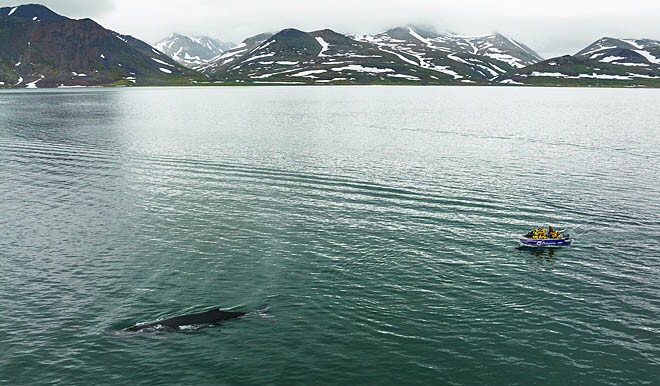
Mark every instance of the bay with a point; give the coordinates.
(370, 232)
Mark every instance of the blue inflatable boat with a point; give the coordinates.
(565, 240)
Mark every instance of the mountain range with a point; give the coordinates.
(400, 55)
(39, 48)
(414, 55)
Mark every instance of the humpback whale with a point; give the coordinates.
(213, 316)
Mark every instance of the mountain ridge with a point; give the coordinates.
(605, 62)
(39, 48)
(399, 55)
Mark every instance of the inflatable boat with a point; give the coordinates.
(532, 242)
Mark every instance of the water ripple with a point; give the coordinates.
(385, 249)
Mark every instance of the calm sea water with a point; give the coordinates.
(368, 230)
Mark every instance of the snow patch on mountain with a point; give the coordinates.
(599, 49)
(610, 59)
(400, 56)
(404, 76)
(161, 62)
(360, 68)
(33, 84)
(308, 74)
(511, 81)
(548, 74)
(631, 64)
(420, 38)
(260, 56)
(324, 46)
(648, 56)
(593, 75)
(603, 76)
(263, 46)
(513, 62)
(633, 43)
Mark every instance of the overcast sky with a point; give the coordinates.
(551, 28)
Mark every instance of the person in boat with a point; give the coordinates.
(531, 234)
(552, 234)
(536, 233)
(541, 233)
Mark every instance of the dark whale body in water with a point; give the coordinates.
(207, 317)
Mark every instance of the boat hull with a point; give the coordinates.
(544, 242)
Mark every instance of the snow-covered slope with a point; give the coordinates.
(223, 60)
(608, 61)
(472, 58)
(192, 52)
(325, 56)
(404, 54)
(624, 52)
(504, 48)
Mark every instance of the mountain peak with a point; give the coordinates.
(290, 33)
(331, 36)
(425, 31)
(292, 43)
(256, 39)
(192, 51)
(32, 12)
(326, 32)
(52, 50)
(607, 43)
(408, 30)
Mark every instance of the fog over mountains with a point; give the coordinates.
(39, 48)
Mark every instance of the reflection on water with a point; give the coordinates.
(66, 118)
(542, 255)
